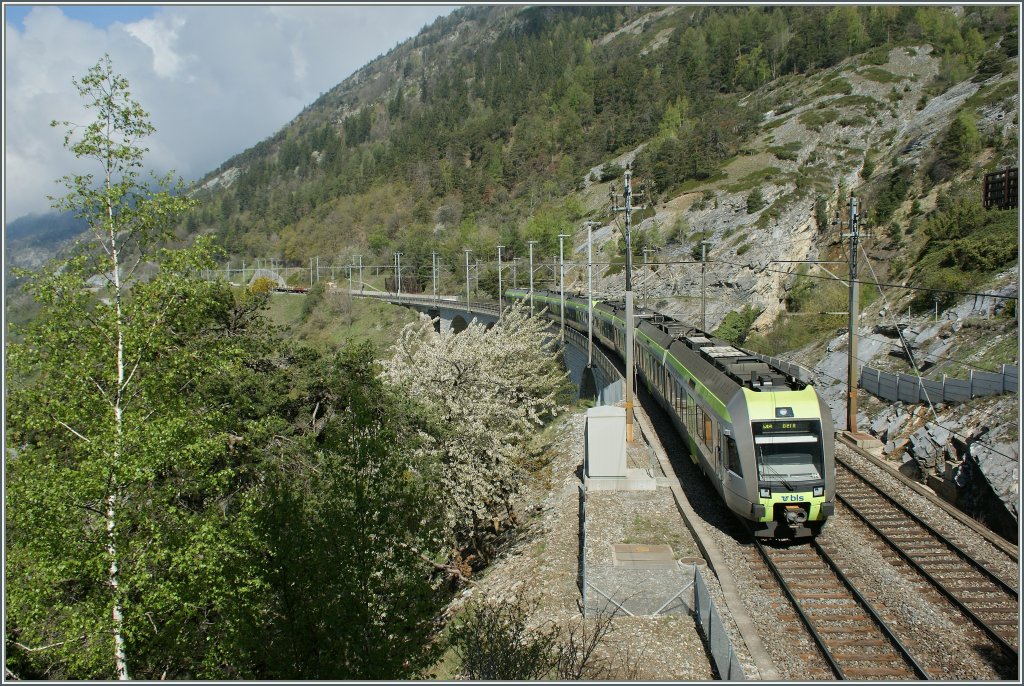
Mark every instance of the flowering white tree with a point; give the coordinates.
(487, 389)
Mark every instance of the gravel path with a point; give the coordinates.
(545, 560)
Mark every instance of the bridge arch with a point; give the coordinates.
(268, 274)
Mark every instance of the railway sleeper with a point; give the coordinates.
(871, 672)
(859, 618)
(847, 642)
(866, 657)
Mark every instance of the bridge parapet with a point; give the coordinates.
(452, 312)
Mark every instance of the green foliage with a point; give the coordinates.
(879, 75)
(892, 192)
(262, 284)
(816, 119)
(877, 57)
(957, 148)
(833, 86)
(351, 524)
(755, 201)
(965, 243)
(736, 325)
(610, 171)
(868, 169)
(865, 101)
(314, 297)
(679, 230)
(493, 641)
(788, 152)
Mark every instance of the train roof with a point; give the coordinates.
(718, 364)
(722, 367)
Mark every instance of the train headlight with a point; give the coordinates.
(766, 493)
(819, 491)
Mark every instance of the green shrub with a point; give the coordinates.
(610, 171)
(755, 201)
(833, 87)
(879, 75)
(736, 325)
(788, 152)
(816, 119)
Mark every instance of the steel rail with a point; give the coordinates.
(902, 649)
(939, 586)
(836, 669)
(966, 557)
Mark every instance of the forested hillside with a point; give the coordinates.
(484, 127)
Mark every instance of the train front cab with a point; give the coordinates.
(784, 448)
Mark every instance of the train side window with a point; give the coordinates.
(708, 434)
(700, 423)
(732, 457)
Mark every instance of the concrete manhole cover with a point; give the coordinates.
(643, 556)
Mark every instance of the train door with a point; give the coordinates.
(714, 445)
(733, 468)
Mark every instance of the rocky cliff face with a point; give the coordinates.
(968, 452)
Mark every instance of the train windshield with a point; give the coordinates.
(788, 452)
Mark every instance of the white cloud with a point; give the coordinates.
(215, 79)
(159, 35)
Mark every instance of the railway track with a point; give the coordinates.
(852, 637)
(980, 594)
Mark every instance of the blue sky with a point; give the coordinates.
(215, 79)
(100, 16)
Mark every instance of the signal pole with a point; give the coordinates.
(433, 274)
(531, 275)
(467, 278)
(398, 273)
(703, 286)
(499, 281)
(627, 208)
(561, 281)
(590, 294)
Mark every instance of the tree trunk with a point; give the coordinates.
(120, 656)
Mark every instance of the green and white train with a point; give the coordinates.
(764, 439)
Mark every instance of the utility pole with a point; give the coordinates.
(627, 208)
(350, 278)
(318, 269)
(310, 272)
(500, 294)
(647, 276)
(467, 279)
(851, 381)
(561, 280)
(590, 294)
(703, 286)
(398, 273)
(531, 275)
(360, 273)
(433, 274)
